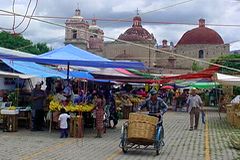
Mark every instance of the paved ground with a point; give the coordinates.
(181, 144)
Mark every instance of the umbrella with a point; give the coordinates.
(167, 87)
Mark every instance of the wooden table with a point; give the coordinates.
(26, 115)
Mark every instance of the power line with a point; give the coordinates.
(28, 6)
(29, 18)
(130, 21)
(14, 17)
(131, 43)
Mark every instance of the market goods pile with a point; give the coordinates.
(233, 115)
(12, 108)
(128, 100)
(235, 140)
(56, 106)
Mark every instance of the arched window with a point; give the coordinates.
(200, 54)
(74, 34)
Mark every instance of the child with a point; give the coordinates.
(63, 123)
(100, 102)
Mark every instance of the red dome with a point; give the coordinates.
(201, 35)
(137, 18)
(136, 34)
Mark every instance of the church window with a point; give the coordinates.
(200, 54)
(74, 34)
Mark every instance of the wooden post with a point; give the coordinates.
(80, 126)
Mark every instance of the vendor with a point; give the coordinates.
(155, 105)
(38, 96)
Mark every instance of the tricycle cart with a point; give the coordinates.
(141, 135)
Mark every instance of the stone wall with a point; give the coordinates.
(209, 52)
(122, 51)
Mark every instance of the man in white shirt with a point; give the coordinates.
(63, 123)
(195, 105)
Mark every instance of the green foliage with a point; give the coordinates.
(196, 67)
(18, 42)
(12, 97)
(236, 90)
(230, 60)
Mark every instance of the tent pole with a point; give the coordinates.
(68, 72)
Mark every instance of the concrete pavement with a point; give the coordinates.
(181, 144)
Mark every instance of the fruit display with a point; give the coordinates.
(55, 105)
(12, 108)
(70, 107)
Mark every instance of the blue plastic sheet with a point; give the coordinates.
(31, 68)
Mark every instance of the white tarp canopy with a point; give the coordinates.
(228, 79)
(236, 99)
(14, 75)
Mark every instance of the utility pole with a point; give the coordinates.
(149, 56)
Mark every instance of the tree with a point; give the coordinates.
(230, 60)
(18, 42)
(196, 67)
(233, 61)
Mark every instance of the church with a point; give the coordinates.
(201, 43)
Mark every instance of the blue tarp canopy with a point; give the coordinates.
(79, 74)
(70, 55)
(31, 68)
(70, 52)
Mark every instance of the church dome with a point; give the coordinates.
(136, 32)
(94, 27)
(201, 35)
(77, 18)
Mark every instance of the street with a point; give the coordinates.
(210, 141)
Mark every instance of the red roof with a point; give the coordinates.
(136, 32)
(201, 35)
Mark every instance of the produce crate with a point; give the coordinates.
(76, 127)
(10, 123)
(236, 121)
(230, 116)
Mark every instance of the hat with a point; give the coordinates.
(153, 92)
(38, 83)
(193, 88)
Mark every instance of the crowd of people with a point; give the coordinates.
(103, 99)
(105, 113)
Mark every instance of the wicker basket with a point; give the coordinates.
(141, 128)
(136, 117)
(141, 132)
(236, 121)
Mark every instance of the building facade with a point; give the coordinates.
(201, 43)
(119, 50)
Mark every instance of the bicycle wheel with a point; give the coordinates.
(124, 139)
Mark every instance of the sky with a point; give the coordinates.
(213, 11)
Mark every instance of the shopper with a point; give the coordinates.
(99, 103)
(63, 117)
(38, 98)
(195, 104)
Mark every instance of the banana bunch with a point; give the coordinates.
(55, 105)
(79, 108)
(50, 97)
(70, 107)
(135, 100)
(235, 141)
(12, 108)
(86, 108)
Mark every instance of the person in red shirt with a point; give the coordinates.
(99, 103)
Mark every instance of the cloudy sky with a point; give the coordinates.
(224, 12)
